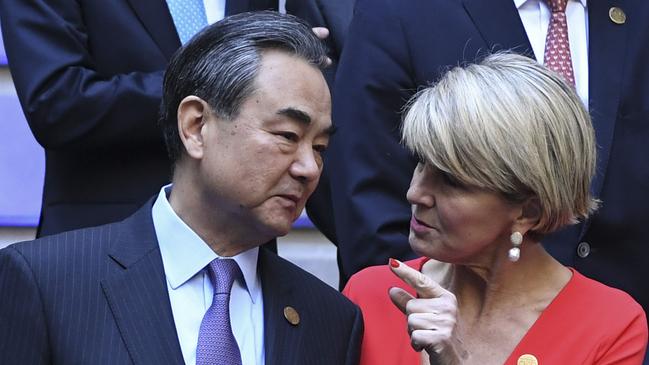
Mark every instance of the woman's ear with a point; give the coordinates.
(530, 215)
(192, 113)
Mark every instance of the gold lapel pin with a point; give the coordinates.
(291, 315)
(617, 15)
(527, 359)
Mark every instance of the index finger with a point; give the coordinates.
(423, 285)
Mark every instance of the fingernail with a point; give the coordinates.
(394, 263)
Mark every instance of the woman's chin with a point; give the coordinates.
(430, 248)
(421, 247)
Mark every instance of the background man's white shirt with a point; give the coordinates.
(535, 15)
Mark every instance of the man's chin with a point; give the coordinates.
(283, 231)
(279, 229)
(276, 223)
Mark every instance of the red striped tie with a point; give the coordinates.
(557, 45)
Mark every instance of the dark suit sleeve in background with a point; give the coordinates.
(372, 170)
(335, 15)
(69, 103)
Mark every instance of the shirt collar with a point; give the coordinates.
(185, 254)
(520, 3)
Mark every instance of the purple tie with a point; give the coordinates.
(216, 342)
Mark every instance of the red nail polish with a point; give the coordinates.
(394, 263)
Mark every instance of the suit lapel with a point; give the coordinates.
(137, 293)
(500, 25)
(606, 60)
(155, 17)
(281, 338)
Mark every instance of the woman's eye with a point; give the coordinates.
(421, 164)
(450, 180)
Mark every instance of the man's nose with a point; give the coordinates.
(307, 166)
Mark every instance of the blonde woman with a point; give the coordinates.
(507, 154)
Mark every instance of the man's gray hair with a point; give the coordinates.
(220, 64)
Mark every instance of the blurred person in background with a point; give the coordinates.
(335, 16)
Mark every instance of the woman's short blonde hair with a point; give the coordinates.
(511, 126)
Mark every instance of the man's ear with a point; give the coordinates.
(530, 215)
(192, 113)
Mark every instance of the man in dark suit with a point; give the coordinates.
(335, 15)
(246, 116)
(89, 78)
(395, 47)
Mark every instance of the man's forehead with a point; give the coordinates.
(293, 89)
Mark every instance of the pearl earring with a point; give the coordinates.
(515, 252)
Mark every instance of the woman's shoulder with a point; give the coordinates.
(600, 297)
(599, 305)
(604, 323)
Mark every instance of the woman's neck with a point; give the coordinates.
(486, 290)
(499, 303)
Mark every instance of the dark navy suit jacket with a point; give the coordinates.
(335, 15)
(395, 47)
(99, 296)
(89, 78)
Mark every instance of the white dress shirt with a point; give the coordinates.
(185, 257)
(214, 10)
(535, 15)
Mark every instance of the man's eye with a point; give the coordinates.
(320, 148)
(293, 137)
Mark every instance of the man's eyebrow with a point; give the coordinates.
(295, 114)
(303, 117)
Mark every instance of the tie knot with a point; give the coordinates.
(557, 6)
(222, 274)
